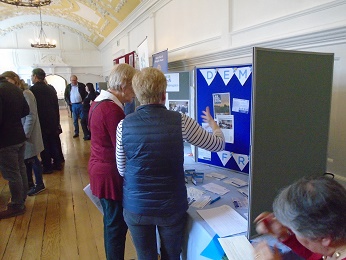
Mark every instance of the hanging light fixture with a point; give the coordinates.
(27, 3)
(42, 41)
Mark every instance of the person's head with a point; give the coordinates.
(150, 86)
(90, 87)
(74, 80)
(38, 74)
(315, 210)
(13, 78)
(120, 82)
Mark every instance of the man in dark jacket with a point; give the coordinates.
(75, 93)
(12, 146)
(48, 113)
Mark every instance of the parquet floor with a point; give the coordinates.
(61, 222)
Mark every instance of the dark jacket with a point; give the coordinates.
(82, 92)
(13, 107)
(86, 102)
(154, 183)
(47, 107)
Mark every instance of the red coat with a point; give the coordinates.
(105, 181)
(300, 250)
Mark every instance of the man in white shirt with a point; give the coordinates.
(75, 93)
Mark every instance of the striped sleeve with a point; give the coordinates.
(196, 135)
(120, 153)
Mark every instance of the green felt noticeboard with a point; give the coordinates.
(290, 122)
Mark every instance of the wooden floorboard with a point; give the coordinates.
(60, 222)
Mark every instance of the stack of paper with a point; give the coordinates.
(237, 248)
(224, 220)
(215, 188)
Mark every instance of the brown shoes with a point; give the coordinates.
(12, 211)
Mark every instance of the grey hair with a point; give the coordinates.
(120, 75)
(149, 84)
(313, 208)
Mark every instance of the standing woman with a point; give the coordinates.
(105, 181)
(32, 129)
(92, 94)
(150, 156)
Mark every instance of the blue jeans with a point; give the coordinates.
(13, 170)
(77, 112)
(143, 232)
(115, 229)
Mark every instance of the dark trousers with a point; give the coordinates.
(84, 124)
(51, 151)
(34, 163)
(12, 168)
(115, 229)
(143, 232)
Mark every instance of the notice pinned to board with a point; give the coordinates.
(240, 105)
(172, 82)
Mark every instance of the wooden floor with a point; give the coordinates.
(61, 222)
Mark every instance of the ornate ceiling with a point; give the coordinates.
(92, 19)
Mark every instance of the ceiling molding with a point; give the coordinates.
(93, 19)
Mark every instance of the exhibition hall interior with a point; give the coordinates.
(273, 74)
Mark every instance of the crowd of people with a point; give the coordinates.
(136, 165)
(30, 129)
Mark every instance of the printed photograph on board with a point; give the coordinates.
(226, 123)
(181, 106)
(221, 103)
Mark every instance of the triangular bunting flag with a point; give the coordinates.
(224, 156)
(241, 159)
(243, 74)
(226, 74)
(209, 75)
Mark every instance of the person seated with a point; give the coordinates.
(309, 217)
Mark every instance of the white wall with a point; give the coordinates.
(223, 32)
(73, 55)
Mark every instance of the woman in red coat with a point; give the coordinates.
(309, 217)
(105, 181)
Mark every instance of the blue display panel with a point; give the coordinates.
(227, 92)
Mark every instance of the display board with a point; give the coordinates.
(178, 92)
(290, 122)
(227, 92)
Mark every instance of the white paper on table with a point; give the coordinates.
(216, 175)
(201, 202)
(194, 193)
(237, 248)
(93, 198)
(215, 188)
(244, 192)
(236, 182)
(224, 220)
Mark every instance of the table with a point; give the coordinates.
(198, 233)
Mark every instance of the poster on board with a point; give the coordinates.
(182, 106)
(227, 92)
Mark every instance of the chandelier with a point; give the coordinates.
(27, 3)
(42, 41)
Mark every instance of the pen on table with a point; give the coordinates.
(242, 192)
(236, 184)
(214, 200)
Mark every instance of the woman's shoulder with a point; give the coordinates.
(28, 94)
